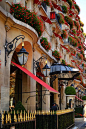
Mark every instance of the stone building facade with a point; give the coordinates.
(17, 84)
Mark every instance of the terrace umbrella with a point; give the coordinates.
(64, 72)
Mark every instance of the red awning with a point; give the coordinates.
(65, 48)
(46, 19)
(79, 98)
(35, 78)
(57, 7)
(57, 35)
(37, 2)
(66, 23)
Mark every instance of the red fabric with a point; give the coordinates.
(35, 78)
(73, 61)
(65, 48)
(73, 54)
(57, 7)
(79, 98)
(64, 0)
(46, 19)
(57, 35)
(66, 23)
(37, 2)
(70, 11)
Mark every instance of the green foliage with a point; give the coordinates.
(78, 112)
(84, 98)
(77, 7)
(74, 31)
(64, 9)
(70, 90)
(19, 107)
(69, 21)
(77, 24)
(28, 17)
(45, 43)
(56, 54)
(60, 18)
(65, 120)
(73, 41)
(63, 62)
(70, 3)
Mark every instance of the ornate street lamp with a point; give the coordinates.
(46, 70)
(22, 55)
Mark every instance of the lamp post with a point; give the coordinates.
(46, 70)
(22, 54)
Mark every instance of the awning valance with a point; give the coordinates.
(37, 2)
(57, 7)
(46, 19)
(79, 98)
(35, 78)
(57, 35)
(65, 48)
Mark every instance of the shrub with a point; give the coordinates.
(77, 7)
(60, 18)
(24, 15)
(70, 3)
(45, 43)
(84, 98)
(56, 54)
(74, 31)
(47, 2)
(64, 34)
(69, 21)
(63, 62)
(19, 107)
(70, 90)
(64, 9)
(77, 24)
(73, 41)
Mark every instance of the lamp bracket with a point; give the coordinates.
(9, 47)
(36, 62)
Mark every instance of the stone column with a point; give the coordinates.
(55, 86)
(46, 97)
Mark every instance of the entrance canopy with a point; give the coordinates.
(35, 78)
(64, 72)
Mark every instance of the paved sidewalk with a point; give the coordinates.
(79, 124)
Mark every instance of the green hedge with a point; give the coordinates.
(78, 112)
(84, 98)
(70, 91)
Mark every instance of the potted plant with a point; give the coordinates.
(64, 9)
(69, 21)
(56, 54)
(45, 44)
(77, 7)
(73, 41)
(28, 17)
(64, 34)
(47, 2)
(77, 24)
(70, 95)
(63, 62)
(70, 3)
(84, 99)
(60, 18)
